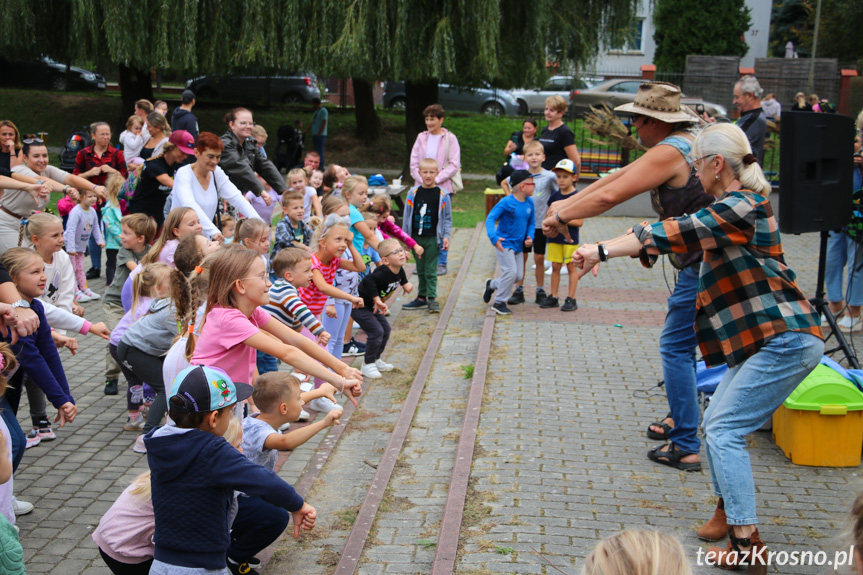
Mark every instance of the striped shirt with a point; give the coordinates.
(314, 298)
(287, 307)
(746, 292)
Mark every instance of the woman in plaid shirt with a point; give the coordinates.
(751, 315)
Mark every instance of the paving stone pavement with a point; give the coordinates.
(559, 461)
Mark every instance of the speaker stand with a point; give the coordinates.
(821, 306)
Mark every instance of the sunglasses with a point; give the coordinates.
(34, 141)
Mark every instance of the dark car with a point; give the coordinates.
(622, 91)
(485, 99)
(294, 88)
(45, 73)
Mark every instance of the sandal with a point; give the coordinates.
(672, 457)
(665, 429)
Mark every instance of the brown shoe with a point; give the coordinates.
(717, 527)
(748, 552)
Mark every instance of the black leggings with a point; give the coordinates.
(377, 329)
(118, 568)
(131, 379)
(148, 368)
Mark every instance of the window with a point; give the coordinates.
(627, 87)
(633, 44)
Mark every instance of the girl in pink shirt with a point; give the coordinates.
(235, 326)
(180, 223)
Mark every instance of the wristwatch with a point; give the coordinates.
(21, 303)
(603, 252)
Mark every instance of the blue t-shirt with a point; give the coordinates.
(556, 196)
(357, 217)
(515, 223)
(545, 183)
(321, 115)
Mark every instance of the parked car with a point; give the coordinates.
(622, 91)
(533, 101)
(485, 99)
(294, 88)
(46, 74)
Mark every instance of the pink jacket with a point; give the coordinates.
(389, 229)
(448, 166)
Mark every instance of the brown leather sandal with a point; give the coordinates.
(750, 552)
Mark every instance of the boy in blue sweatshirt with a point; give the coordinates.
(195, 473)
(514, 216)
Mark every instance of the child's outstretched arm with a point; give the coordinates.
(296, 438)
(331, 290)
(6, 461)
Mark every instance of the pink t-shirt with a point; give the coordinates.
(314, 298)
(221, 342)
(166, 256)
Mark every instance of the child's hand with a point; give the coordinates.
(304, 519)
(381, 307)
(330, 310)
(499, 244)
(101, 330)
(66, 413)
(102, 245)
(418, 250)
(267, 199)
(350, 237)
(324, 338)
(327, 390)
(354, 391)
(71, 344)
(357, 302)
(445, 244)
(391, 218)
(408, 287)
(332, 418)
(528, 242)
(77, 309)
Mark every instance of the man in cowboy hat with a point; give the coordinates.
(666, 172)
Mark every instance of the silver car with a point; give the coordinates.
(622, 91)
(533, 101)
(486, 99)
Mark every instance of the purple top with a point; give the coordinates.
(128, 319)
(265, 211)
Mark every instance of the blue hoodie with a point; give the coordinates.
(194, 476)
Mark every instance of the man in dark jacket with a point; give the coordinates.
(183, 118)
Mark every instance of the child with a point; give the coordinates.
(264, 210)
(254, 234)
(375, 289)
(37, 353)
(297, 181)
(294, 269)
(291, 231)
(136, 232)
(111, 217)
(11, 553)
(543, 187)
(370, 255)
(278, 397)
(381, 207)
(515, 219)
(637, 552)
(83, 222)
(333, 179)
(180, 223)
(151, 284)
(428, 220)
(229, 224)
(194, 474)
(560, 251)
(124, 535)
(45, 232)
(132, 139)
(312, 200)
(235, 326)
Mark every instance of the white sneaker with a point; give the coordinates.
(370, 371)
(323, 405)
(307, 386)
(563, 271)
(136, 424)
(854, 324)
(21, 507)
(383, 366)
(91, 294)
(304, 416)
(139, 446)
(81, 297)
(284, 426)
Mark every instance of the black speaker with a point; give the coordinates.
(815, 172)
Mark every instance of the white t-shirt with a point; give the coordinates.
(432, 145)
(307, 203)
(255, 433)
(188, 193)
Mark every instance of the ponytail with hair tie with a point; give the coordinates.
(749, 159)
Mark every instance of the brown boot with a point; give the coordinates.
(717, 527)
(748, 552)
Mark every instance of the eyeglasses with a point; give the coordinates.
(29, 141)
(398, 251)
(264, 276)
(698, 160)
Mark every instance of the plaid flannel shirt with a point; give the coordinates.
(88, 159)
(746, 292)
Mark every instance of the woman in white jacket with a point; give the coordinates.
(201, 185)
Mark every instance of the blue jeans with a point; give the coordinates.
(336, 327)
(748, 394)
(266, 362)
(19, 440)
(318, 142)
(677, 349)
(842, 251)
(95, 250)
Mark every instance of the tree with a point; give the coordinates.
(838, 36)
(792, 21)
(716, 28)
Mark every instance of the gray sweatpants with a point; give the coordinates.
(511, 270)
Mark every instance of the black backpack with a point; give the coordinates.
(78, 139)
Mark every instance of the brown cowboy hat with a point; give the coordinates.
(659, 100)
